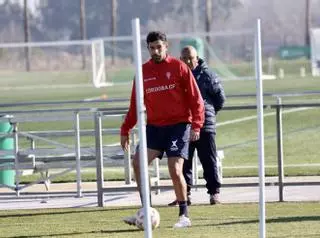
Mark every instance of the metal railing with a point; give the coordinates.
(97, 114)
(281, 183)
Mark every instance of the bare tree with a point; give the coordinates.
(26, 34)
(308, 23)
(208, 23)
(114, 6)
(195, 15)
(83, 30)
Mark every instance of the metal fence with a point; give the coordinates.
(96, 156)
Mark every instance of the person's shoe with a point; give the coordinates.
(175, 202)
(130, 220)
(183, 222)
(214, 199)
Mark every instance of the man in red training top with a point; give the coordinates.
(175, 114)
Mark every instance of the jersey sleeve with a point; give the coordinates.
(131, 117)
(194, 98)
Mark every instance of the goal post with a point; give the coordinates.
(229, 53)
(315, 51)
(60, 59)
(98, 64)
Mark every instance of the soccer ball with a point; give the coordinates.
(155, 218)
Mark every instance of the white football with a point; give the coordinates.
(155, 218)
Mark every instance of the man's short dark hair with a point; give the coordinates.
(155, 36)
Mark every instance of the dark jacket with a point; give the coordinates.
(212, 93)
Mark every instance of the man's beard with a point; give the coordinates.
(157, 58)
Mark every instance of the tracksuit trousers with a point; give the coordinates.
(207, 153)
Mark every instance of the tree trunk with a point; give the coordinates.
(26, 35)
(83, 30)
(208, 26)
(114, 6)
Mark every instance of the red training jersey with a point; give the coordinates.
(171, 96)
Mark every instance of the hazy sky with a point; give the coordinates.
(31, 3)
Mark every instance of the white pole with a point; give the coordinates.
(142, 127)
(93, 61)
(258, 69)
(195, 171)
(78, 153)
(102, 80)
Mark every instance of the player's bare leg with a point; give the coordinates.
(152, 154)
(175, 165)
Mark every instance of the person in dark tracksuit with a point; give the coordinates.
(214, 97)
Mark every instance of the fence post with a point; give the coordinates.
(16, 156)
(280, 149)
(195, 172)
(127, 160)
(32, 143)
(78, 153)
(127, 155)
(156, 168)
(99, 158)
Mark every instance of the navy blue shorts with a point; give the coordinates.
(173, 139)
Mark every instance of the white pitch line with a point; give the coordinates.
(269, 166)
(255, 116)
(114, 144)
(60, 86)
(249, 118)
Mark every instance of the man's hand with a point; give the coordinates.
(124, 140)
(194, 135)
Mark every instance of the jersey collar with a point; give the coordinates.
(166, 60)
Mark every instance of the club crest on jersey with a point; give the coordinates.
(168, 75)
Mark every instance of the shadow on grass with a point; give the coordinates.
(79, 233)
(274, 220)
(297, 236)
(57, 212)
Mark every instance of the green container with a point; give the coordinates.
(196, 42)
(294, 52)
(7, 177)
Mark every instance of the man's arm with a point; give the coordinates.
(216, 91)
(130, 120)
(194, 98)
